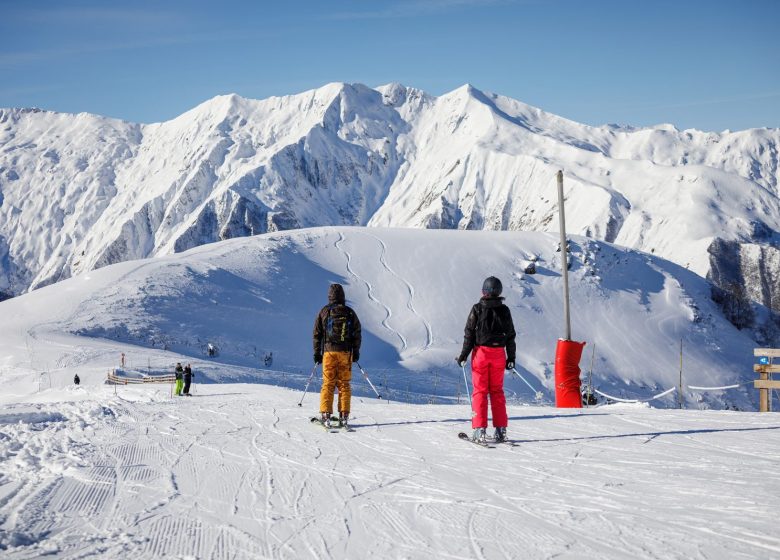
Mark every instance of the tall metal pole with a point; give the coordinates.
(564, 257)
(680, 386)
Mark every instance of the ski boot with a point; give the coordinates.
(325, 419)
(344, 420)
(500, 435)
(479, 435)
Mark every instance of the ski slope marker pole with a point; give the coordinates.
(300, 403)
(369, 381)
(463, 367)
(564, 257)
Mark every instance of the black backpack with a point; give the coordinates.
(338, 329)
(491, 329)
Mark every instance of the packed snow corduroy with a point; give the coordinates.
(567, 374)
(336, 373)
(487, 375)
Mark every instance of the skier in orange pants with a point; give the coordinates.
(336, 337)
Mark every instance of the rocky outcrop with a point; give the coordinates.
(753, 266)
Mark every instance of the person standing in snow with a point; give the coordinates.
(179, 371)
(490, 333)
(76, 379)
(337, 337)
(187, 379)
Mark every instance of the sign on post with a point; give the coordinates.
(765, 369)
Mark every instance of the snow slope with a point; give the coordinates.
(79, 192)
(237, 472)
(412, 290)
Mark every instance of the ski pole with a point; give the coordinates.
(466, 381)
(300, 403)
(538, 393)
(369, 381)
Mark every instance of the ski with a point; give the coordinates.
(334, 427)
(465, 437)
(329, 429)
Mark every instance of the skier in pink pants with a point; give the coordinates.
(490, 333)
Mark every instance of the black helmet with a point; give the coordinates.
(492, 287)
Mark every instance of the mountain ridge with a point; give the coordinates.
(83, 191)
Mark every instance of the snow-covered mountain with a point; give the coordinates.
(412, 290)
(78, 192)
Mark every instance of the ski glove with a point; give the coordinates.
(355, 355)
(317, 358)
(461, 361)
(510, 365)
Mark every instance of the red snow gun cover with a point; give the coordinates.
(567, 374)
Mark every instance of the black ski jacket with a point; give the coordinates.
(500, 333)
(336, 299)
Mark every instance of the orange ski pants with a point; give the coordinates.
(336, 372)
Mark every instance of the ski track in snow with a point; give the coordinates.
(371, 295)
(238, 471)
(410, 291)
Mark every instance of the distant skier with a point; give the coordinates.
(490, 333)
(187, 379)
(76, 379)
(337, 337)
(212, 350)
(179, 371)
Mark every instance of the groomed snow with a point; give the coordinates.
(237, 471)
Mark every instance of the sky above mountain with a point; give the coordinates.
(697, 64)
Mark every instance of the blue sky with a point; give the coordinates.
(710, 65)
